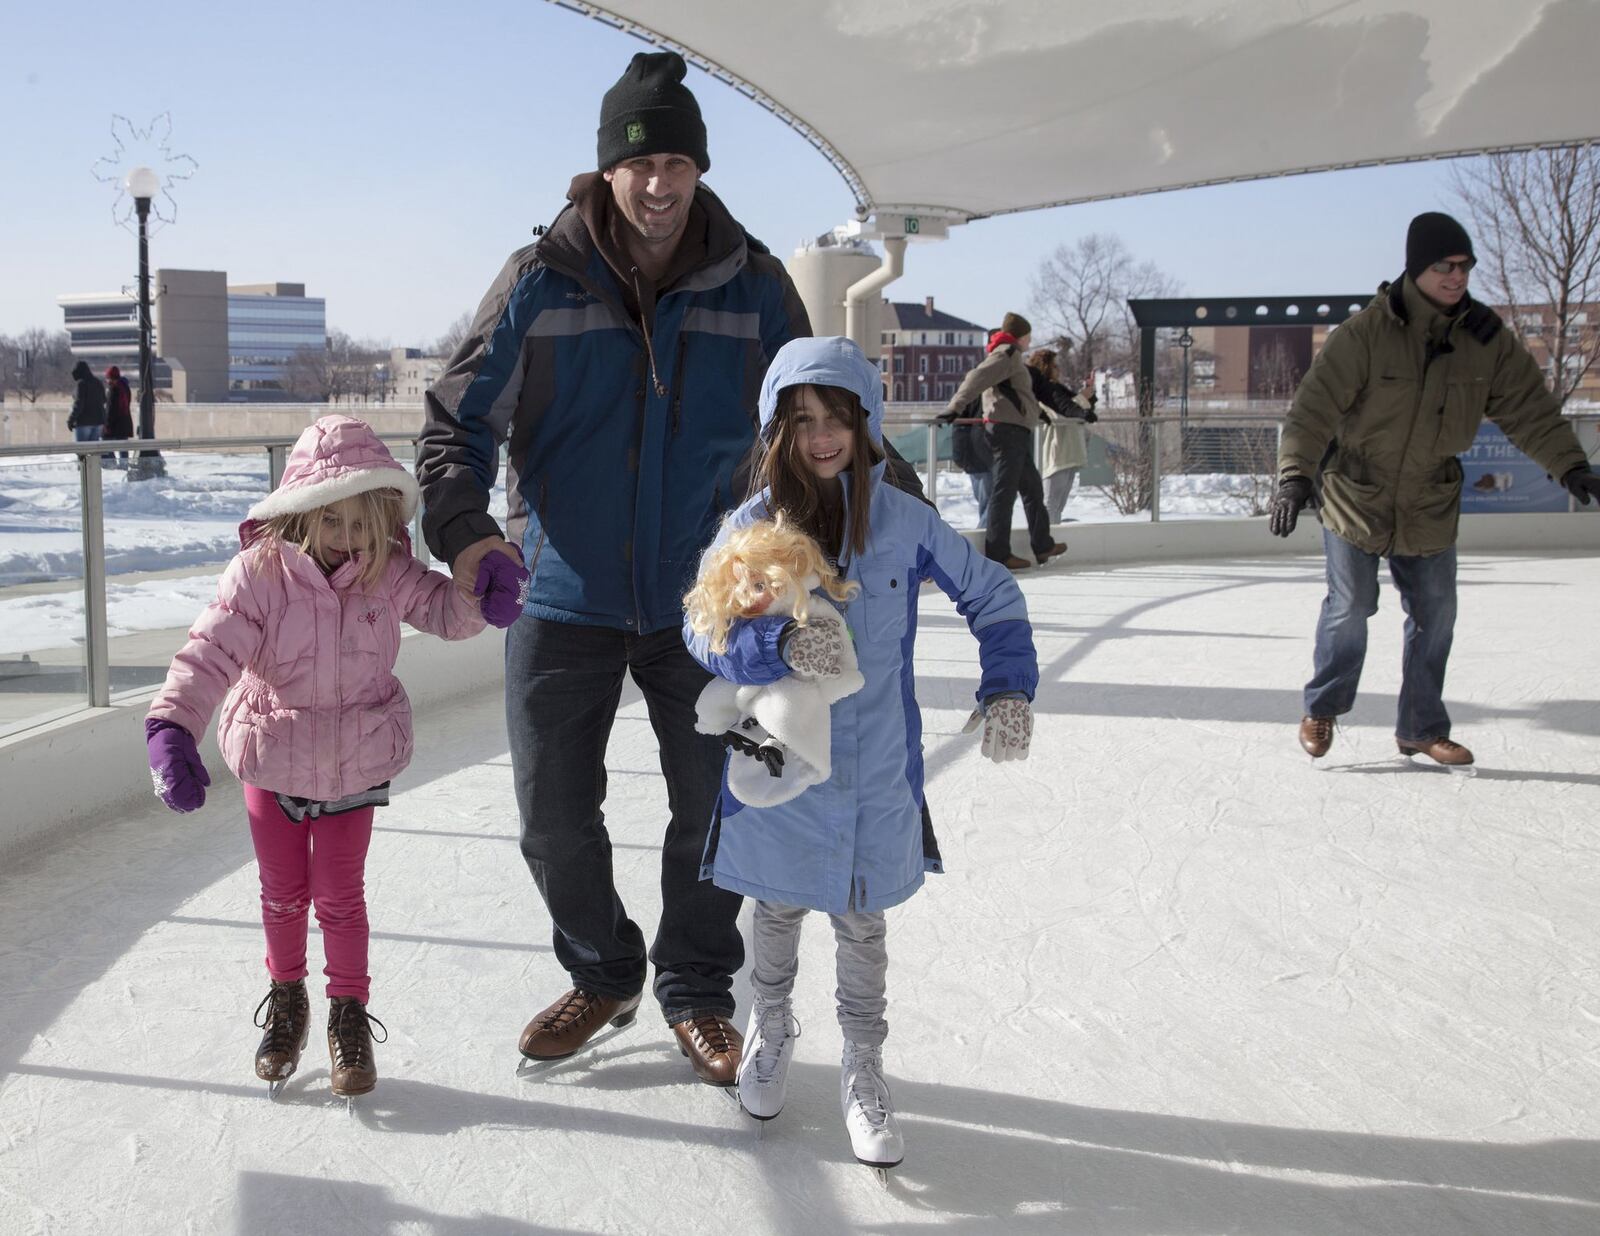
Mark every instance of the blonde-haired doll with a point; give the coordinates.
(770, 567)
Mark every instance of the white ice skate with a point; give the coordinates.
(868, 1110)
(764, 1067)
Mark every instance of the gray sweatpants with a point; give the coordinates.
(862, 964)
(1057, 489)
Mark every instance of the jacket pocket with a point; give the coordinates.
(384, 736)
(1437, 510)
(1462, 413)
(884, 603)
(246, 747)
(1356, 511)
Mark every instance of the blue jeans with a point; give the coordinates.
(563, 684)
(87, 433)
(1427, 588)
(982, 487)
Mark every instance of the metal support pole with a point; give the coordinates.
(933, 463)
(1153, 428)
(1147, 371)
(96, 647)
(277, 461)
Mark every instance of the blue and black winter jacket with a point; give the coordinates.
(621, 454)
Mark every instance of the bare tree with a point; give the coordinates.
(453, 336)
(35, 363)
(1081, 293)
(1536, 217)
(1276, 374)
(308, 375)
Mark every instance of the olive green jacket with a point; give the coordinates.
(1394, 396)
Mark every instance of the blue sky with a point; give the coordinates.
(391, 155)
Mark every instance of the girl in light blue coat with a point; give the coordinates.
(860, 841)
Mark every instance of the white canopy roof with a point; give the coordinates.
(982, 107)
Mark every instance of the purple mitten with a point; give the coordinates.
(175, 768)
(502, 587)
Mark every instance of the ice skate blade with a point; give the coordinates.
(1416, 759)
(275, 1088)
(530, 1066)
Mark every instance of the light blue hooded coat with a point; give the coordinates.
(856, 842)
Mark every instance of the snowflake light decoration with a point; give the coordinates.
(148, 147)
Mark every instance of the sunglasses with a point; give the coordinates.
(1449, 268)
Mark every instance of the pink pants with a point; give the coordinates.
(319, 862)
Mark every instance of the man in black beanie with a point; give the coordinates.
(619, 357)
(1394, 396)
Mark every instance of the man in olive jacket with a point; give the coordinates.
(1395, 395)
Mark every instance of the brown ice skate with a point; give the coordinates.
(562, 1029)
(352, 1065)
(713, 1047)
(284, 1016)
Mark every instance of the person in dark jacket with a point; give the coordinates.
(1394, 396)
(119, 410)
(1010, 415)
(621, 357)
(88, 415)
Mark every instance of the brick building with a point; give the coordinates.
(926, 351)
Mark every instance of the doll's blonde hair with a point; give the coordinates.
(379, 512)
(776, 552)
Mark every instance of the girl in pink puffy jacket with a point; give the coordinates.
(299, 650)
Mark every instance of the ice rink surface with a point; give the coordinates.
(1176, 980)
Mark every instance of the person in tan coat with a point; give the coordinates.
(1395, 395)
(1010, 415)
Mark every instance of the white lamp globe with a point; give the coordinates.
(142, 182)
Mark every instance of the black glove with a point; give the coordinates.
(1582, 483)
(1294, 495)
(946, 418)
(1090, 417)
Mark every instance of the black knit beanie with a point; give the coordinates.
(650, 111)
(1433, 237)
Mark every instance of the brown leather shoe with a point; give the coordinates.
(572, 1021)
(1316, 735)
(1014, 563)
(1055, 551)
(713, 1047)
(1439, 750)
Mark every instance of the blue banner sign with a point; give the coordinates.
(1499, 477)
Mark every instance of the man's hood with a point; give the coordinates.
(718, 245)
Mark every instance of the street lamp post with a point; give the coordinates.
(1185, 341)
(142, 185)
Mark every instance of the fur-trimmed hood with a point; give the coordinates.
(336, 457)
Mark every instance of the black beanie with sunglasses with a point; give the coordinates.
(1431, 238)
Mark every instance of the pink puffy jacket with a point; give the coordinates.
(306, 660)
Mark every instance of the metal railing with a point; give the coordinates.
(91, 498)
(1130, 457)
